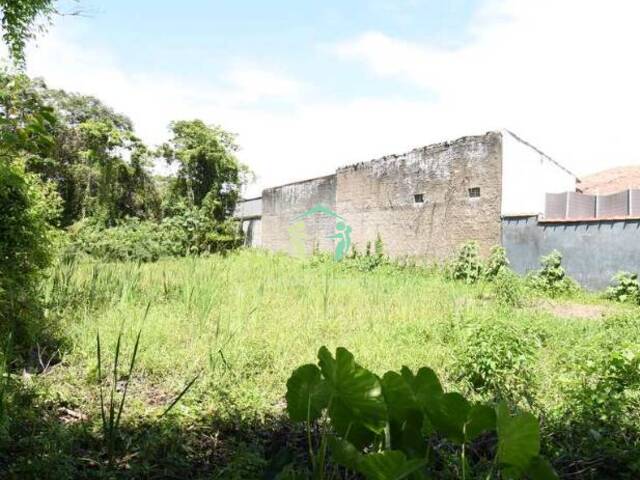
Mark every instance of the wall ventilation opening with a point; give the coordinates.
(418, 198)
(474, 192)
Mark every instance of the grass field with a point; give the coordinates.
(243, 322)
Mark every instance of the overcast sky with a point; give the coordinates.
(310, 86)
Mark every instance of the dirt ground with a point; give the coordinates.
(576, 310)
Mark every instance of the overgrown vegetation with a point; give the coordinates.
(467, 266)
(233, 320)
(552, 279)
(230, 321)
(191, 232)
(625, 288)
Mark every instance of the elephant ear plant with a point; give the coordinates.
(383, 428)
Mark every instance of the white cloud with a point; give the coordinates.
(561, 74)
(250, 84)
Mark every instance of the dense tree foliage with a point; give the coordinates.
(28, 205)
(68, 160)
(101, 166)
(208, 172)
(20, 23)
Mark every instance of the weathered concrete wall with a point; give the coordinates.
(252, 229)
(249, 208)
(249, 213)
(593, 251)
(281, 205)
(377, 197)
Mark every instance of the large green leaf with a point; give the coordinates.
(388, 465)
(448, 414)
(481, 418)
(349, 427)
(425, 385)
(518, 440)
(307, 394)
(399, 396)
(540, 469)
(356, 393)
(344, 453)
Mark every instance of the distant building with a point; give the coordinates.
(496, 189)
(426, 202)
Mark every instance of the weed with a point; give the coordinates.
(467, 266)
(509, 289)
(497, 360)
(625, 288)
(552, 279)
(111, 413)
(496, 263)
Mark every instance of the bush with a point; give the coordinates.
(190, 233)
(467, 266)
(28, 208)
(369, 261)
(497, 360)
(552, 279)
(597, 421)
(509, 290)
(625, 288)
(496, 262)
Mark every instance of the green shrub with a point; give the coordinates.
(598, 418)
(28, 208)
(369, 261)
(509, 290)
(190, 233)
(467, 266)
(383, 427)
(625, 288)
(552, 279)
(496, 262)
(497, 359)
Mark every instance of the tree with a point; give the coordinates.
(28, 205)
(26, 123)
(20, 23)
(92, 154)
(209, 174)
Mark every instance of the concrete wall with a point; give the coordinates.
(252, 229)
(249, 208)
(593, 251)
(377, 197)
(281, 205)
(527, 175)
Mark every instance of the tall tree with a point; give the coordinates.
(209, 174)
(20, 23)
(101, 166)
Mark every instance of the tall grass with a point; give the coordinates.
(247, 319)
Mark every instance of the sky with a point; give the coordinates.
(311, 86)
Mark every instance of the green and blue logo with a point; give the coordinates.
(298, 235)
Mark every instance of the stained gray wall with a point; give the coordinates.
(592, 251)
(281, 205)
(378, 198)
(252, 230)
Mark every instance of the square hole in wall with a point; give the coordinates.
(418, 198)
(474, 192)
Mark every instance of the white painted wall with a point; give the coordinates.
(527, 175)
